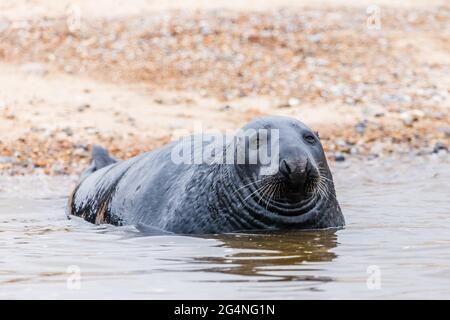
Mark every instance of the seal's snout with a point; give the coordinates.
(295, 170)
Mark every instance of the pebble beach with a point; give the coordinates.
(133, 82)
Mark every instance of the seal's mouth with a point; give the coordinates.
(300, 189)
(305, 184)
(300, 176)
(277, 188)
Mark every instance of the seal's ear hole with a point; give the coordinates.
(317, 134)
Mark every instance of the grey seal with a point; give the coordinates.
(154, 192)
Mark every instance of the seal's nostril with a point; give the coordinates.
(295, 170)
(288, 168)
(285, 168)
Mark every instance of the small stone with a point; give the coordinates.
(437, 98)
(40, 163)
(409, 117)
(225, 107)
(293, 102)
(341, 142)
(339, 157)
(395, 98)
(336, 90)
(361, 127)
(417, 114)
(406, 118)
(350, 100)
(79, 152)
(58, 168)
(7, 160)
(373, 111)
(51, 57)
(92, 131)
(80, 146)
(354, 151)
(315, 38)
(439, 146)
(437, 115)
(69, 69)
(445, 131)
(83, 107)
(68, 131)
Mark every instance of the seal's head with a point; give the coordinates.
(286, 153)
(284, 168)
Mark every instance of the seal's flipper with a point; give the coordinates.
(100, 159)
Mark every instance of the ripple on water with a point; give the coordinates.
(397, 212)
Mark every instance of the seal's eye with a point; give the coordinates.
(309, 138)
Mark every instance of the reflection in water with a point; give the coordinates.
(397, 215)
(281, 256)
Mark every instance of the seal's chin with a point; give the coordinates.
(294, 195)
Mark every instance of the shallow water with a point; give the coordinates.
(396, 245)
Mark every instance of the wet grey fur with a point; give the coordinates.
(151, 190)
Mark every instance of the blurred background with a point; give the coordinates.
(372, 77)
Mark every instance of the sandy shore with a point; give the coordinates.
(133, 77)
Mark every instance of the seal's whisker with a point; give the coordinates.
(280, 189)
(325, 178)
(322, 187)
(324, 190)
(270, 197)
(318, 191)
(267, 190)
(323, 172)
(249, 184)
(257, 191)
(264, 191)
(264, 179)
(251, 194)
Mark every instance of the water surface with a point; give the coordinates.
(396, 245)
